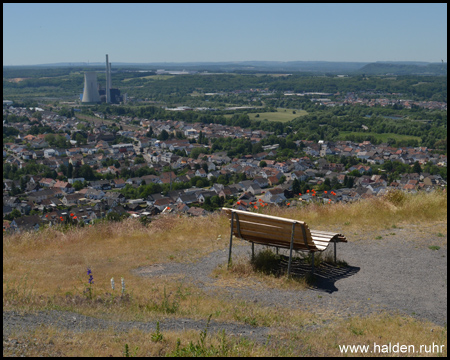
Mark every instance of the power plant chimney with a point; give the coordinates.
(108, 84)
(90, 92)
(109, 75)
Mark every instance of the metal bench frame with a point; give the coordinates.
(312, 240)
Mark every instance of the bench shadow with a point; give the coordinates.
(325, 275)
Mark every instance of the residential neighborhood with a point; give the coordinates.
(87, 180)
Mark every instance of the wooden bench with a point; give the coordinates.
(279, 232)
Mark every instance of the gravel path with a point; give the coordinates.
(13, 321)
(397, 273)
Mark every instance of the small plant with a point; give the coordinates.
(200, 348)
(440, 234)
(167, 306)
(433, 247)
(251, 321)
(356, 331)
(19, 290)
(378, 237)
(88, 290)
(126, 351)
(180, 294)
(347, 223)
(157, 336)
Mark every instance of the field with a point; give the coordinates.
(47, 271)
(382, 137)
(282, 115)
(152, 77)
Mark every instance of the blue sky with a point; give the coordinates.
(52, 33)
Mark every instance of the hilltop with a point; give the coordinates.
(412, 68)
(174, 272)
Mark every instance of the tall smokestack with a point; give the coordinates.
(108, 85)
(109, 73)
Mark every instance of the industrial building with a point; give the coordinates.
(93, 94)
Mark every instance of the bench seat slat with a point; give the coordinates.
(323, 232)
(281, 244)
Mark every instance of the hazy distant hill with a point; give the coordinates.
(404, 68)
(256, 66)
(313, 67)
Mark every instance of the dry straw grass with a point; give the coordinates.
(47, 269)
(55, 262)
(373, 213)
(323, 340)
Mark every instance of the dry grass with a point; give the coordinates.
(369, 214)
(47, 270)
(242, 274)
(56, 261)
(323, 340)
(56, 342)
(380, 329)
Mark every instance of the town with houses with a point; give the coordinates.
(45, 201)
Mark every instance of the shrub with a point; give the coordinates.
(396, 197)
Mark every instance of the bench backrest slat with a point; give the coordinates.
(271, 230)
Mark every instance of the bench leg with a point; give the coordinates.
(253, 250)
(312, 270)
(231, 239)
(290, 249)
(335, 252)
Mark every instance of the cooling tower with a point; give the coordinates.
(90, 93)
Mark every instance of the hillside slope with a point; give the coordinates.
(394, 288)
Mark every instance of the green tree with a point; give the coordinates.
(14, 190)
(50, 138)
(70, 170)
(80, 139)
(164, 135)
(15, 214)
(77, 185)
(282, 180)
(350, 182)
(86, 172)
(416, 167)
(23, 183)
(196, 152)
(296, 186)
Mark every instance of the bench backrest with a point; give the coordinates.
(270, 230)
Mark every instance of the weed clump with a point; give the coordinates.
(266, 262)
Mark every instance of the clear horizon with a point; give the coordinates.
(35, 34)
